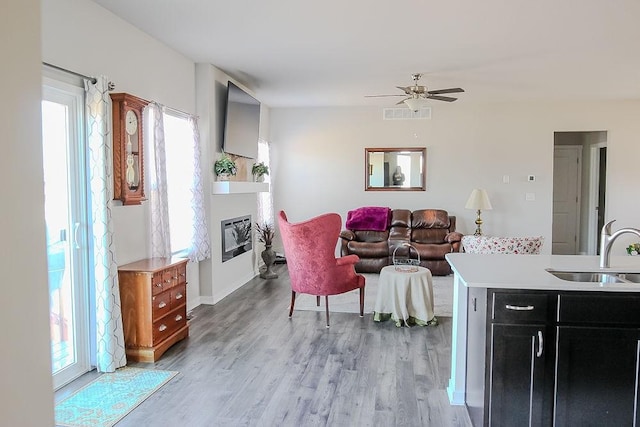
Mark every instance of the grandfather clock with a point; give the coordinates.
(128, 161)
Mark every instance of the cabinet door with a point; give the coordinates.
(597, 377)
(520, 375)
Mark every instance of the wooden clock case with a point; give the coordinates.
(129, 194)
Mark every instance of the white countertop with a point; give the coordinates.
(529, 271)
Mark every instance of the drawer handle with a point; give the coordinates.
(162, 304)
(178, 296)
(158, 285)
(162, 328)
(178, 317)
(519, 307)
(168, 280)
(175, 277)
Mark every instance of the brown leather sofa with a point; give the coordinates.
(430, 231)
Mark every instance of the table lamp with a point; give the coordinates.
(478, 200)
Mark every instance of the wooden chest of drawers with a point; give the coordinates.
(153, 295)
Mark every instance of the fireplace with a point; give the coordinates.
(236, 237)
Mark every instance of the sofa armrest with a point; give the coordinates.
(347, 235)
(347, 259)
(453, 237)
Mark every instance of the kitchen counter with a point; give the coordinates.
(529, 271)
(498, 271)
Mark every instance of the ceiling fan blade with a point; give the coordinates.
(442, 98)
(381, 96)
(441, 91)
(398, 103)
(406, 90)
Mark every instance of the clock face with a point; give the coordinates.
(131, 122)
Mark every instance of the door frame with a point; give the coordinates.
(594, 185)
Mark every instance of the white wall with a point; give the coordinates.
(219, 278)
(82, 36)
(26, 386)
(319, 157)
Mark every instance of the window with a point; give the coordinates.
(179, 145)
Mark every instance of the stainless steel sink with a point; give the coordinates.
(585, 276)
(631, 277)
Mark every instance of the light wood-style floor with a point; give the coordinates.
(246, 363)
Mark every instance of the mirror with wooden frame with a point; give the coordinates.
(395, 169)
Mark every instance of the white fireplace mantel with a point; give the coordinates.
(238, 187)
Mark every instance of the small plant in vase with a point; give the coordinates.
(266, 233)
(259, 170)
(225, 167)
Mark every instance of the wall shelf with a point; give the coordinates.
(238, 187)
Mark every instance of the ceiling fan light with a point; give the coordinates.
(415, 104)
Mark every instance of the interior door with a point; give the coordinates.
(65, 217)
(567, 166)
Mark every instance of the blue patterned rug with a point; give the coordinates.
(107, 399)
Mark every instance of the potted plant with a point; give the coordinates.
(259, 170)
(266, 233)
(224, 167)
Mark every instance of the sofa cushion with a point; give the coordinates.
(370, 236)
(430, 218)
(429, 235)
(369, 249)
(502, 245)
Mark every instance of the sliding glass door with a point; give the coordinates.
(66, 222)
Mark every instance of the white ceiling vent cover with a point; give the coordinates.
(404, 113)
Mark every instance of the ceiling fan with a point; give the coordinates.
(417, 94)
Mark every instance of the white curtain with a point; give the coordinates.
(157, 188)
(265, 200)
(110, 338)
(200, 248)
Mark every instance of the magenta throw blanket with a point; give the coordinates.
(369, 218)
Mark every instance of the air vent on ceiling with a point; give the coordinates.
(404, 113)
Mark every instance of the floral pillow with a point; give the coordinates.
(502, 245)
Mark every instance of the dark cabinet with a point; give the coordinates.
(519, 377)
(559, 359)
(520, 354)
(597, 376)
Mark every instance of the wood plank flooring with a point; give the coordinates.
(246, 363)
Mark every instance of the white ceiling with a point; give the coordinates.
(334, 52)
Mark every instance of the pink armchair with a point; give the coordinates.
(310, 248)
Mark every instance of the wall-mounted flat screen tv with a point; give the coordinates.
(241, 123)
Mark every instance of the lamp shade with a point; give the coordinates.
(415, 104)
(478, 200)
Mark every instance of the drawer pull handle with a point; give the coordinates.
(175, 277)
(540, 344)
(162, 304)
(158, 285)
(168, 280)
(178, 296)
(162, 328)
(519, 307)
(178, 318)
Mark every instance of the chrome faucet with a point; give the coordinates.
(607, 239)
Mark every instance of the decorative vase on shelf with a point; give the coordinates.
(268, 256)
(223, 177)
(258, 178)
